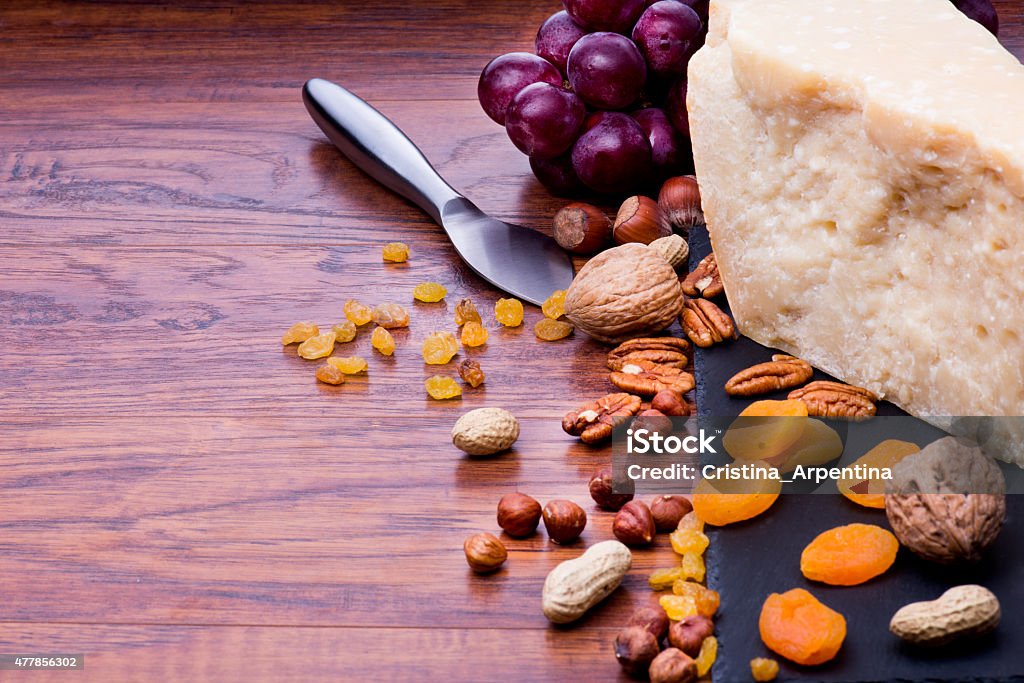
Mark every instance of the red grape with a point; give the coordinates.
(542, 120)
(614, 155)
(668, 33)
(556, 37)
(981, 11)
(557, 175)
(606, 70)
(604, 15)
(675, 107)
(505, 76)
(668, 149)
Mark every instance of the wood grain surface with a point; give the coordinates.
(181, 500)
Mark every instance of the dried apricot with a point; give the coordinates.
(439, 348)
(344, 332)
(797, 626)
(317, 347)
(688, 541)
(869, 490)
(396, 252)
(707, 600)
(349, 365)
(383, 341)
(849, 555)
(706, 656)
(663, 579)
(429, 292)
(389, 315)
(328, 374)
(441, 388)
(357, 312)
(764, 669)
(474, 334)
(299, 332)
(465, 311)
(765, 429)
(693, 566)
(726, 500)
(818, 444)
(471, 373)
(547, 329)
(554, 306)
(678, 607)
(509, 312)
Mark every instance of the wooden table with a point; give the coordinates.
(181, 500)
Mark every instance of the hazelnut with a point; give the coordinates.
(564, 520)
(668, 510)
(689, 634)
(653, 619)
(484, 552)
(673, 666)
(634, 524)
(670, 403)
(603, 493)
(679, 199)
(654, 421)
(640, 219)
(518, 514)
(581, 228)
(635, 647)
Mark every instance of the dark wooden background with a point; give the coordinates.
(180, 499)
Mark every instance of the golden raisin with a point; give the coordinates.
(429, 292)
(547, 329)
(396, 252)
(678, 607)
(707, 600)
(441, 388)
(797, 626)
(299, 332)
(357, 313)
(383, 341)
(474, 334)
(465, 311)
(471, 373)
(350, 365)
(663, 579)
(318, 346)
(690, 521)
(344, 332)
(849, 555)
(328, 374)
(389, 315)
(706, 656)
(439, 348)
(763, 669)
(688, 541)
(554, 306)
(693, 566)
(509, 312)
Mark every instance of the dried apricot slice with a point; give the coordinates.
(818, 444)
(727, 500)
(849, 555)
(869, 490)
(765, 429)
(797, 626)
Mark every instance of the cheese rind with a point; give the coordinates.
(862, 176)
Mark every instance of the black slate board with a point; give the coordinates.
(748, 561)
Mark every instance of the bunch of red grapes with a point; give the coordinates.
(602, 105)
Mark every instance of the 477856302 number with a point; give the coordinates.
(41, 661)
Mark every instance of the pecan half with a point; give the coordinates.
(704, 280)
(647, 379)
(670, 351)
(705, 323)
(595, 421)
(835, 400)
(783, 372)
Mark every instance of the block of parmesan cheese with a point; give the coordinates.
(862, 172)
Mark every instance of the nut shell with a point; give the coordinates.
(675, 250)
(634, 524)
(574, 586)
(960, 612)
(624, 292)
(581, 228)
(564, 520)
(518, 514)
(680, 200)
(485, 431)
(484, 552)
(640, 219)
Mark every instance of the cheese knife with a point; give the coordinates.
(520, 261)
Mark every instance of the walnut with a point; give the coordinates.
(947, 503)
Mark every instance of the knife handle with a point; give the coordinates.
(376, 145)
